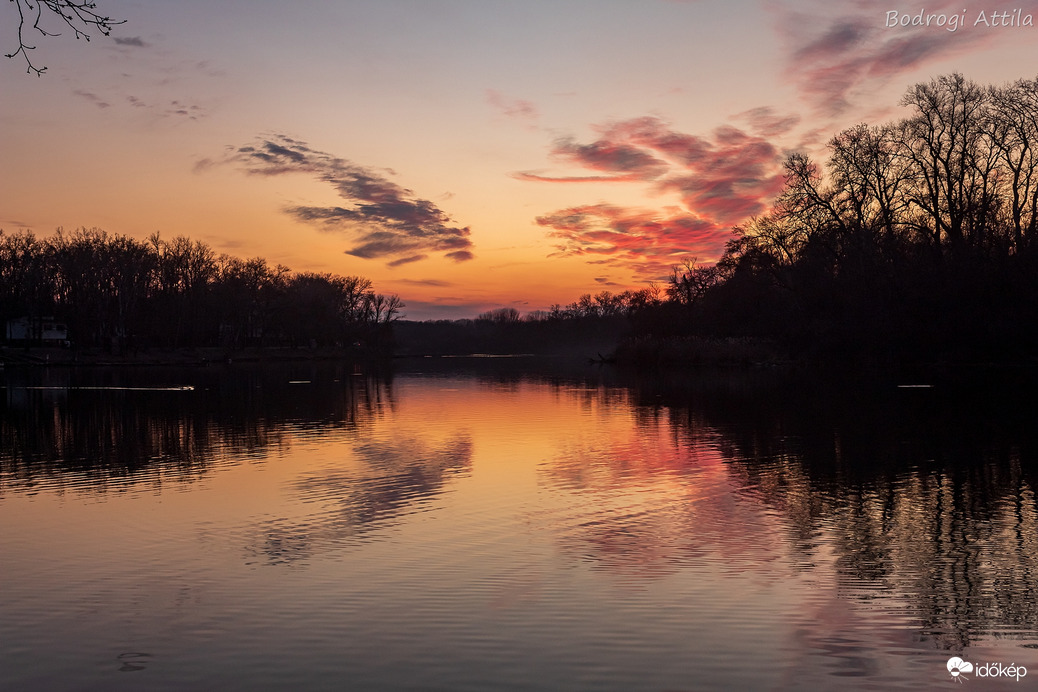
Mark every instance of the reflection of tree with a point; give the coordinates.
(92, 429)
(394, 477)
(920, 496)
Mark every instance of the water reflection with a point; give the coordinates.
(921, 501)
(394, 477)
(93, 429)
(801, 494)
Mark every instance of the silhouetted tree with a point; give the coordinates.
(118, 292)
(912, 241)
(1012, 127)
(500, 316)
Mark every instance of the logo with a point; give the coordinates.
(956, 666)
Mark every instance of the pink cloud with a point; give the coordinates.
(837, 52)
(517, 109)
(611, 155)
(766, 122)
(648, 242)
(538, 178)
(721, 179)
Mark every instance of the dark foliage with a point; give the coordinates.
(589, 327)
(122, 294)
(917, 242)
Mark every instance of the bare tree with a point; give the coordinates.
(1013, 129)
(688, 283)
(948, 148)
(34, 15)
(864, 165)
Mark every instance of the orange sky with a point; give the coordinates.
(465, 155)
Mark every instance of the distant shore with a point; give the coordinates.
(41, 356)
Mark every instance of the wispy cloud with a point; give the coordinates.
(620, 160)
(765, 122)
(445, 307)
(191, 111)
(168, 109)
(722, 179)
(647, 242)
(406, 260)
(516, 109)
(134, 41)
(838, 52)
(435, 283)
(386, 220)
(92, 98)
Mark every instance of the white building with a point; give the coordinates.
(44, 331)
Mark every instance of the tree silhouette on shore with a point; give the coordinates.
(915, 241)
(120, 293)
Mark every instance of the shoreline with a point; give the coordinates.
(41, 356)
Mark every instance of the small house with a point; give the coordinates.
(36, 331)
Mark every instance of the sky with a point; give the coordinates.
(463, 154)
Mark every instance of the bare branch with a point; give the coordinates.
(82, 17)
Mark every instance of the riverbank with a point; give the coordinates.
(52, 356)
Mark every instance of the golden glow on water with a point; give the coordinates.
(471, 531)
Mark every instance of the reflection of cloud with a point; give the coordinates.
(722, 179)
(883, 490)
(387, 219)
(395, 476)
(656, 502)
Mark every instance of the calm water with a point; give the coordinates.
(491, 525)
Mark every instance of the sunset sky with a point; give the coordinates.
(466, 154)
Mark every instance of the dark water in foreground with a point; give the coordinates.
(496, 525)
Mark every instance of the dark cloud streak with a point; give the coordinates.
(387, 220)
(134, 41)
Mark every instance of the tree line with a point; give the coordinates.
(916, 240)
(116, 292)
(590, 326)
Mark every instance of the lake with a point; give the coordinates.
(514, 524)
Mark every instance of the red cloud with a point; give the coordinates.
(611, 156)
(648, 242)
(722, 180)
